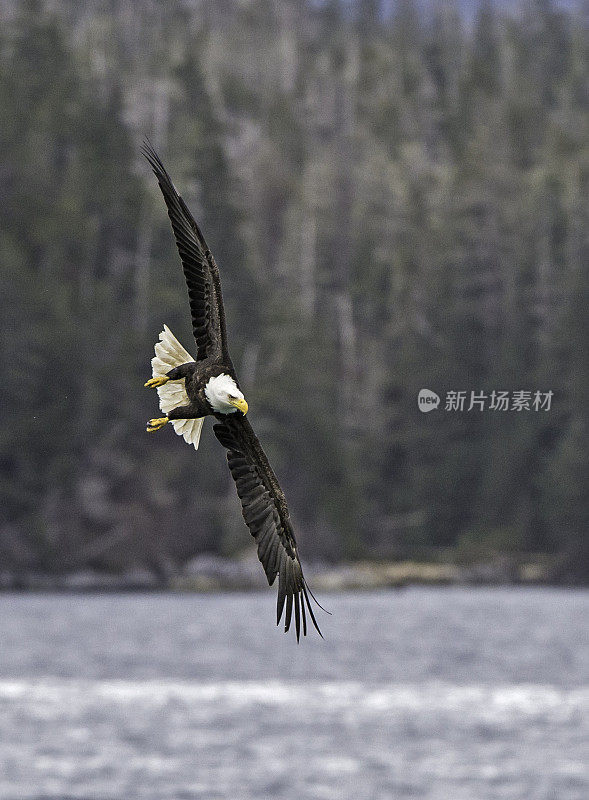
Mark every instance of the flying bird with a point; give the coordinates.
(191, 389)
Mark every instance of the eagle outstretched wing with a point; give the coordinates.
(266, 515)
(200, 270)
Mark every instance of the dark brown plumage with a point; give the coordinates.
(266, 514)
(200, 270)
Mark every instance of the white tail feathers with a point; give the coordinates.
(190, 429)
(169, 353)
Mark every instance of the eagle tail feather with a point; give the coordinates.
(169, 353)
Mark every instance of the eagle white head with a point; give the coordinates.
(223, 395)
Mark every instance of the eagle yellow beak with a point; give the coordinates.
(240, 404)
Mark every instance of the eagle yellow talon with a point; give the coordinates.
(158, 381)
(156, 424)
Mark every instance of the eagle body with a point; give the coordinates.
(197, 378)
(192, 388)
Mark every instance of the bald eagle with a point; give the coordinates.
(190, 389)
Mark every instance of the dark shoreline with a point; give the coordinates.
(208, 573)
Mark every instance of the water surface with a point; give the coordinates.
(425, 693)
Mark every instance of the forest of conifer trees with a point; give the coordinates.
(396, 201)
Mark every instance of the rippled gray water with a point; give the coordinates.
(445, 694)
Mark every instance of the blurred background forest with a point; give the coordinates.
(397, 198)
